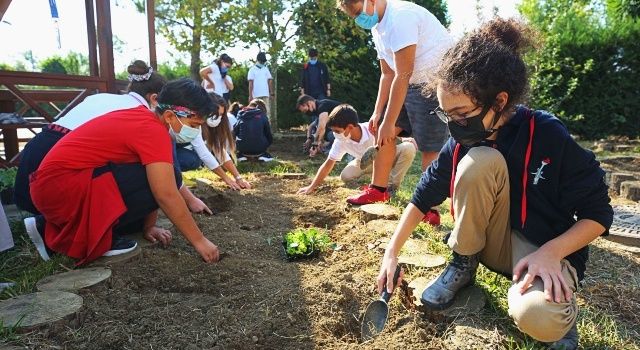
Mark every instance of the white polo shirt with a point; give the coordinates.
(356, 149)
(219, 86)
(404, 24)
(96, 105)
(260, 77)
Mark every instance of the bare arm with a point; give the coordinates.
(162, 183)
(271, 92)
(228, 83)
(322, 173)
(545, 262)
(250, 90)
(404, 60)
(384, 88)
(411, 216)
(322, 125)
(204, 74)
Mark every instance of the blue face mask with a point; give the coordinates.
(223, 69)
(366, 21)
(313, 61)
(186, 134)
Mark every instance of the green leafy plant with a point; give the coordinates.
(7, 178)
(303, 242)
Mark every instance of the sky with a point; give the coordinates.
(27, 25)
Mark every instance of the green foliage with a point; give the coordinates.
(304, 242)
(7, 177)
(175, 70)
(53, 65)
(587, 71)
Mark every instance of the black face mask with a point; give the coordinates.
(474, 131)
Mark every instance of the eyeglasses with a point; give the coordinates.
(458, 119)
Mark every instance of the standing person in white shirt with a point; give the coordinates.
(354, 138)
(261, 83)
(410, 42)
(215, 78)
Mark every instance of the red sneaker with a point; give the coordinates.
(432, 217)
(368, 195)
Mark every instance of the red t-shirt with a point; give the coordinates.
(133, 135)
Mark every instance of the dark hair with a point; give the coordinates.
(343, 4)
(220, 138)
(223, 58)
(235, 108)
(151, 85)
(302, 99)
(258, 103)
(313, 52)
(187, 93)
(343, 116)
(488, 61)
(262, 57)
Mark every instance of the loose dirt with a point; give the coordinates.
(253, 298)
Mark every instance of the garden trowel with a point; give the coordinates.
(376, 314)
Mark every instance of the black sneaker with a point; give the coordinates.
(569, 341)
(120, 245)
(35, 229)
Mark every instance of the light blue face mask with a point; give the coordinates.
(186, 134)
(313, 60)
(366, 21)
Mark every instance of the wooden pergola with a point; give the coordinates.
(37, 89)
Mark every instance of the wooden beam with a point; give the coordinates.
(4, 5)
(28, 101)
(151, 27)
(91, 36)
(81, 96)
(105, 45)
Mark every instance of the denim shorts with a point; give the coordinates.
(428, 130)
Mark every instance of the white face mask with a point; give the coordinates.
(186, 134)
(214, 121)
(341, 136)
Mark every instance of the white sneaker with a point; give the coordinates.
(265, 159)
(36, 238)
(120, 245)
(242, 159)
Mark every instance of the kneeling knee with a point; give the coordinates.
(542, 320)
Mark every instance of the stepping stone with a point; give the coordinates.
(110, 260)
(293, 176)
(423, 260)
(630, 190)
(616, 179)
(382, 227)
(626, 225)
(466, 337)
(411, 245)
(378, 211)
(41, 308)
(74, 280)
(468, 301)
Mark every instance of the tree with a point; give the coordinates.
(588, 53)
(190, 26)
(53, 65)
(269, 24)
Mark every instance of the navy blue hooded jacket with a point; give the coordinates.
(252, 132)
(569, 183)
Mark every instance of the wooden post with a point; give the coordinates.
(105, 45)
(151, 27)
(91, 38)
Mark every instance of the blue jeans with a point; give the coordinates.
(188, 159)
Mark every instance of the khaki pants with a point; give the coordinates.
(481, 207)
(267, 103)
(405, 152)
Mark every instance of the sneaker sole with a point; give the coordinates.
(34, 235)
(120, 251)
